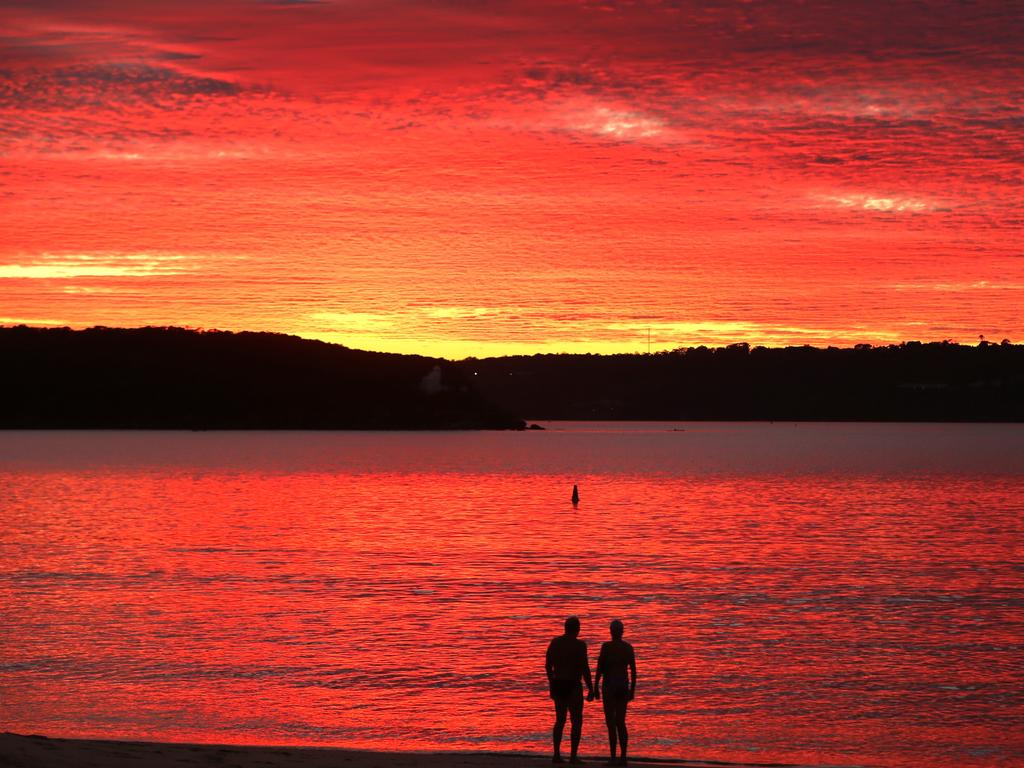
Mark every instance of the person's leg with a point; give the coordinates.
(576, 728)
(561, 708)
(620, 726)
(608, 700)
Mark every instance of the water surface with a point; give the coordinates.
(817, 593)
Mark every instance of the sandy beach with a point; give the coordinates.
(17, 751)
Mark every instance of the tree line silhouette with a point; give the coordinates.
(912, 381)
(176, 378)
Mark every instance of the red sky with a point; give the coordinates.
(473, 178)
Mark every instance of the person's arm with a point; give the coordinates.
(586, 674)
(600, 673)
(632, 673)
(549, 664)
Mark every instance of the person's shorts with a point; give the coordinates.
(566, 691)
(615, 691)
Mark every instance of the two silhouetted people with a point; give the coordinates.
(568, 667)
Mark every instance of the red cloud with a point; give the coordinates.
(767, 169)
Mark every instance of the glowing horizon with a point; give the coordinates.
(460, 180)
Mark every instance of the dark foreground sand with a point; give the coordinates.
(41, 752)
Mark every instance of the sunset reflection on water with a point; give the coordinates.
(398, 591)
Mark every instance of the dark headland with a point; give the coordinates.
(174, 378)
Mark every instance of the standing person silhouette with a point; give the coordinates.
(566, 663)
(617, 665)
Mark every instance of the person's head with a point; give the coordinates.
(572, 626)
(616, 628)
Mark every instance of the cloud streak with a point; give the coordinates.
(92, 265)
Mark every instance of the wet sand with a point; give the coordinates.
(18, 751)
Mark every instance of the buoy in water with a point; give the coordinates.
(575, 495)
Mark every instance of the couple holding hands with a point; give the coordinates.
(568, 668)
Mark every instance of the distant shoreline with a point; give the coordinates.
(181, 379)
(532, 425)
(19, 751)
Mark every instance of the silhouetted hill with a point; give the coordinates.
(172, 378)
(906, 382)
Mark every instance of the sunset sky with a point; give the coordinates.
(462, 177)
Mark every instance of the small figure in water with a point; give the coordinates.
(566, 663)
(575, 495)
(616, 664)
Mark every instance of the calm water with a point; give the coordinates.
(820, 594)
